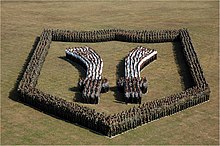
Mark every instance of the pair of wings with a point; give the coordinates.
(93, 84)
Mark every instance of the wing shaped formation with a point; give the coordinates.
(133, 84)
(93, 84)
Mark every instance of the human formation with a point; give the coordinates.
(138, 36)
(156, 109)
(30, 76)
(93, 84)
(191, 57)
(132, 84)
(113, 124)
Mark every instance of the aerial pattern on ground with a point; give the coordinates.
(112, 125)
(58, 78)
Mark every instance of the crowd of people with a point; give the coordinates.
(70, 111)
(140, 36)
(93, 84)
(192, 60)
(149, 111)
(132, 84)
(30, 76)
(88, 58)
(113, 124)
(137, 59)
(133, 88)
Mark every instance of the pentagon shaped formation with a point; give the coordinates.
(115, 124)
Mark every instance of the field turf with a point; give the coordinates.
(21, 22)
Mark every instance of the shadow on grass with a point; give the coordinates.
(120, 69)
(13, 93)
(119, 96)
(78, 94)
(183, 68)
(81, 70)
(82, 73)
(74, 89)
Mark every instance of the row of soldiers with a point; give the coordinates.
(192, 60)
(91, 89)
(70, 111)
(142, 36)
(156, 109)
(133, 88)
(93, 84)
(30, 76)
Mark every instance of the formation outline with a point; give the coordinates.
(114, 124)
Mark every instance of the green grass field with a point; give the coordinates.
(21, 22)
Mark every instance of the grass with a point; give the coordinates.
(23, 21)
